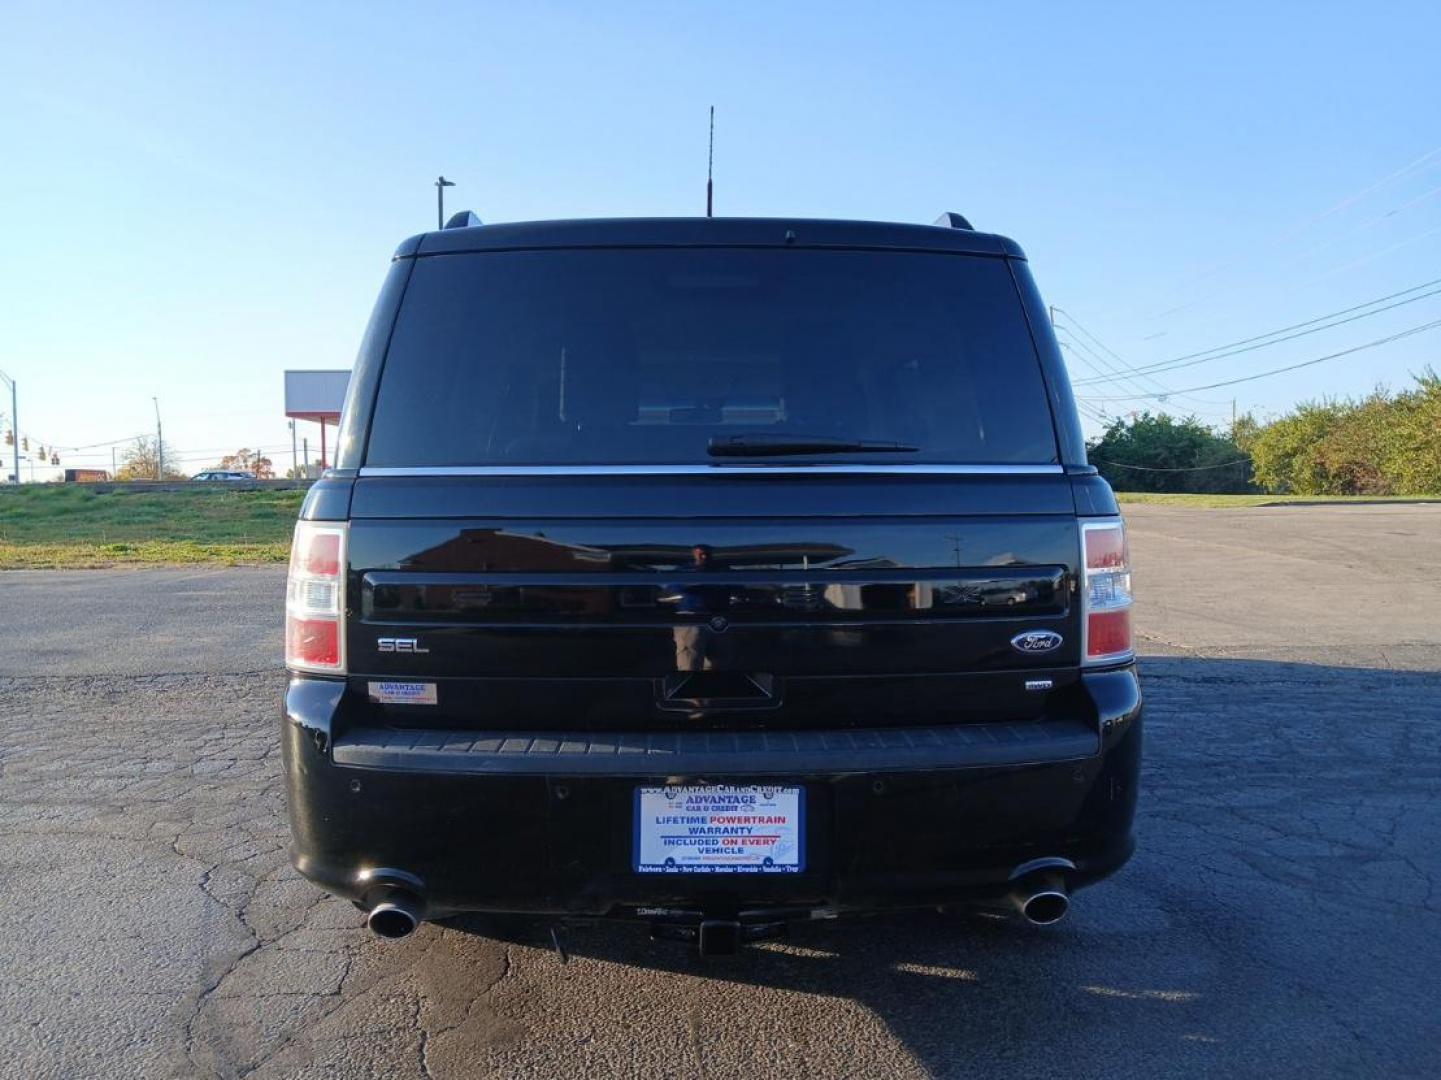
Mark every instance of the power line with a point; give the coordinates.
(1090, 336)
(196, 455)
(1425, 161)
(1358, 196)
(1133, 375)
(110, 442)
(1371, 256)
(188, 459)
(82, 454)
(1292, 367)
(1163, 394)
(1245, 345)
(203, 451)
(1370, 223)
(1101, 365)
(1093, 413)
(1107, 373)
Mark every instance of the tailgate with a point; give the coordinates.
(766, 601)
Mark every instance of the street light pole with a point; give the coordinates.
(14, 424)
(441, 183)
(159, 444)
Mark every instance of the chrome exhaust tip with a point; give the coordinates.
(1046, 907)
(1038, 890)
(395, 917)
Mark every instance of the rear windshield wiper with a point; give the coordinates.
(765, 445)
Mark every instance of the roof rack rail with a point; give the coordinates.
(951, 220)
(463, 220)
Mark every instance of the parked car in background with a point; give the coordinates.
(714, 573)
(223, 474)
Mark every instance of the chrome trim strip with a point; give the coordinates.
(704, 470)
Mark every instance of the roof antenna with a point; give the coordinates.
(710, 166)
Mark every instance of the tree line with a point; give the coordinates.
(148, 459)
(1387, 443)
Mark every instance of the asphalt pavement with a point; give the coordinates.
(1281, 916)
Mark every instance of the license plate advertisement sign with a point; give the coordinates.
(719, 830)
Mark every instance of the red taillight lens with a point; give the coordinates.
(322, 557)
(1106, 547)
(1106, 592)
(312, 642)
(315, 599)
(1108, 633)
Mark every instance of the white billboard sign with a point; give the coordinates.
(315, 393)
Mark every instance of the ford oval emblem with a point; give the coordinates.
(1036, 641)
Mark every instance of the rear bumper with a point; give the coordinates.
(532, 823)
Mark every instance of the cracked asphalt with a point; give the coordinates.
(1281, 916)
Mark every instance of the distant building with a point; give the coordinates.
(316, 395)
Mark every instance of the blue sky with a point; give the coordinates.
(198, 196)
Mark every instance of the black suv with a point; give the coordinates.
(710, 572)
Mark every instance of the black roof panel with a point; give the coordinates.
(709, 232)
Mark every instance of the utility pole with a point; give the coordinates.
(305, 442)
(159, 444)
(14, 423)
(294, 460)
(441, 183)
(113, 468)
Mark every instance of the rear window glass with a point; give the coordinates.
(647, 356)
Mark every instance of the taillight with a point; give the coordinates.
(315, 599)
(1106, 592)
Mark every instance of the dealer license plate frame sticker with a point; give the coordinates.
(720, 829)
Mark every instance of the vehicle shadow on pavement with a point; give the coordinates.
(1286, 872)
(959, 993)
